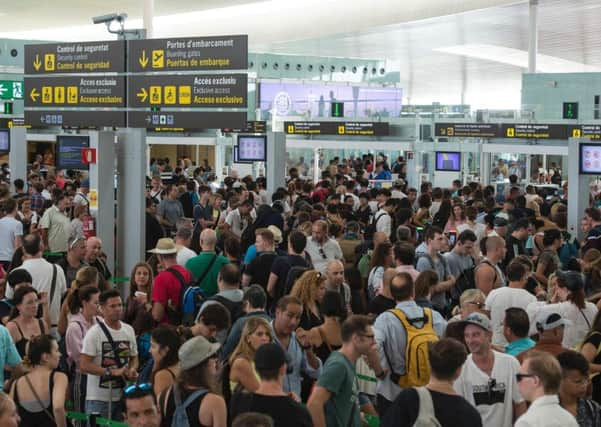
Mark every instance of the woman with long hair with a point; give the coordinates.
(422, 217)
(310, 288)
(199, 372)
(23, 324)
(424, 282)
(590, 350)
(443, 215)
(243, 376)
(164, 345)
(327, 337)
(27, 216)
(40, 394)
(138, 308)
(457, 218)
(591, 267)
(86, 276)
(569, 301)
(83, 306)
(381, 259)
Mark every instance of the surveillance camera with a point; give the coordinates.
(106, 19)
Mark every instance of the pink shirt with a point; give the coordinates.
(78, 326)
(408, 269)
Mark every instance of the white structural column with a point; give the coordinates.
(131, 205)
(17, 157)
(102, 180)
(533, 36)
(578, 189)
(147, 18)
(276, 161)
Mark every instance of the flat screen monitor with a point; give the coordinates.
(237, 156)
(590, 159)
(4, 141)
(252, 148)
(68, 151)
(448, 161)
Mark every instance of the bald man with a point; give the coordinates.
(488, 274)
(94, 258)
(206, 265)
(335, 282)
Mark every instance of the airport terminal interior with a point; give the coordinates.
(277, 213)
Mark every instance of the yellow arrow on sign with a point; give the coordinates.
(37, 63)
(143, 59)
(34, 95)
(142, 94)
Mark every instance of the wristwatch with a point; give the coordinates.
(107, 372)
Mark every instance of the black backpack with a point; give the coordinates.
(235, 308)
(294, 273)
(371, 228)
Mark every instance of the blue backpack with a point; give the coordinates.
(191, 299)
(180, 416)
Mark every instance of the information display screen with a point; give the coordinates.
(68, 151)
(252, 148)
(448, 161)
(590, 159)
(4, 141)
(236, 156)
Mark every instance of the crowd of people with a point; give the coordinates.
(326, 303)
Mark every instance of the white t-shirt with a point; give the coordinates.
(498, 301)
(580, 320)
(9, 229)
(96, 345)
(183, 255)
(493, 396)
(383, 222)
(41, 273)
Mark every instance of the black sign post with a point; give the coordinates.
(198, 90)
(75, 58)
(91, 91)
(188, 54)
(186, 119)
(337, 128)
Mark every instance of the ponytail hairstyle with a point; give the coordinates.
(85, 276)
(18, 298)
(79, 295)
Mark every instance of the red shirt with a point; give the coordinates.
(166, 289)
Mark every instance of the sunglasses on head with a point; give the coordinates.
(138, 390)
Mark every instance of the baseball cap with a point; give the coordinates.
(195, 351)
(545, 321)
(477, 319)
(573, 280)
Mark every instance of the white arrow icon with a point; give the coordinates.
(2, 89)
(148, 119)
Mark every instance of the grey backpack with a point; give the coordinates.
(180, 416)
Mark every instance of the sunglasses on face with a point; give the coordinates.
(520, 377)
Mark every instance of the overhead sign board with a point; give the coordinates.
(193, 90)
(84, 91)
(251, 127)
(467, 130)
(89, 57)
(337, 128)
(535, 131)
(186, 119)
(188, 54)
(78, 119)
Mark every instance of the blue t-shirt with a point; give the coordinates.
(519, 346)
(9, 356)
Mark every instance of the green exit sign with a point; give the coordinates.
(570, 110)
(337, 109)
(10, 89)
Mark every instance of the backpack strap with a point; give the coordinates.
(204, 273)
(426, 414)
